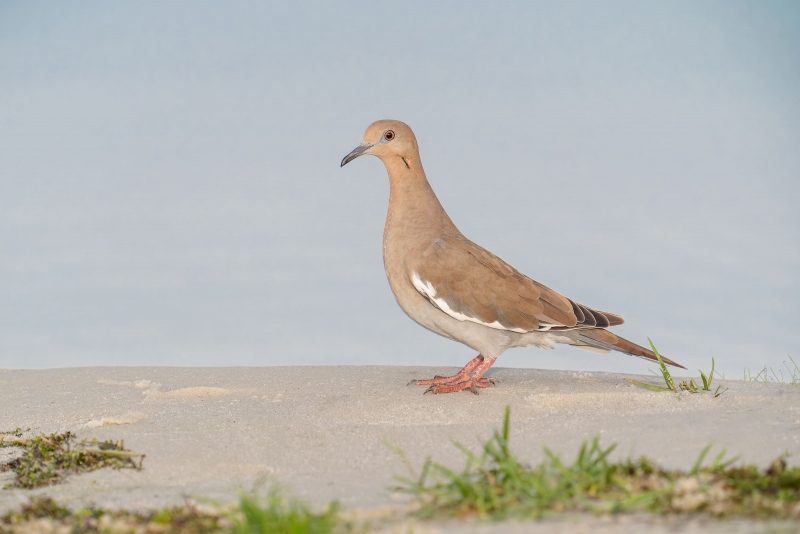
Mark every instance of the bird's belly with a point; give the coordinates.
(488, 341)
(416, 306)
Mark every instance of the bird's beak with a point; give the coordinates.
(358, 151)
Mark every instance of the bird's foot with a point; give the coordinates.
(467, 378)
(472, 384)
(439, 379)
(461, 376)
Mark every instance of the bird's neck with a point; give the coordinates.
(414, 208)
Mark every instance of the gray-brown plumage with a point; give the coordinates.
(476, 283)
(459, 290)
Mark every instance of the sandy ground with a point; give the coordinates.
(321, 431)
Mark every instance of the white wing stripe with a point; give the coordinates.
(427, 289)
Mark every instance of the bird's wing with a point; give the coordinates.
(470, 283)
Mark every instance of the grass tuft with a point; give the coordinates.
(691, 386)
(43, 514)
(48, 459)
(707, 379)
(767, 374)
(278, 514)
(664, 371)
(496, 485)
(274, 513)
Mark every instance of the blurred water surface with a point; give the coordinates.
(170, 191)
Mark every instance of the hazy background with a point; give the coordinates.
(170, 190)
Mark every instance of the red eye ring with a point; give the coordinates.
(389, 135)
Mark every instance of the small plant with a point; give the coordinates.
(43, 514)
(767, 374)
(691, 386)
(496, 485)
(664, 373)
(47, 459)
(281, 515)
(707, 381)
(254, 514)
(16, 433)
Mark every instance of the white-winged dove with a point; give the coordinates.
(461, 291)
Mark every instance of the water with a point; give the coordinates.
(170, 191)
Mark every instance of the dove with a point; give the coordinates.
(458, 289)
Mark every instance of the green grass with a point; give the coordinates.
(42, 514)
(273, 513)
(691, 386)
(278, 514)
(495, 484)
(48, 459)
(768, 375)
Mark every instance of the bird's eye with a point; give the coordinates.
(389, 135)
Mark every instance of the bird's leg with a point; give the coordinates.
(470, 377)
(461, 376)
(471, 383)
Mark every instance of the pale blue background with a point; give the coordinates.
(170, 190)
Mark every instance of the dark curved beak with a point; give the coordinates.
(358, 151)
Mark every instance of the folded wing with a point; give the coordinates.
(470, 283)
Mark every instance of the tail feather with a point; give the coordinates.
(603, 339)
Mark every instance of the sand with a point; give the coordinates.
(321, 431)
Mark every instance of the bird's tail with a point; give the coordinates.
(603, 339)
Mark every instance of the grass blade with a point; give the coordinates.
(664, 371)
(651, 387)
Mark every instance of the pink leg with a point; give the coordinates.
(462, 380)
(462, 375)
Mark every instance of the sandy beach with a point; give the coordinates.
(322, 431)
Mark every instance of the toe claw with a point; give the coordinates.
(462, 381)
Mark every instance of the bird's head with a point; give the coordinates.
(392, 141)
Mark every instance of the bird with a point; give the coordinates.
(458, 289)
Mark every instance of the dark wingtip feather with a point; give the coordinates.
(601, 321)
(576, 309)
(613, 318)
(590, 317)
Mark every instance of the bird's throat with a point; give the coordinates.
(414, 209)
